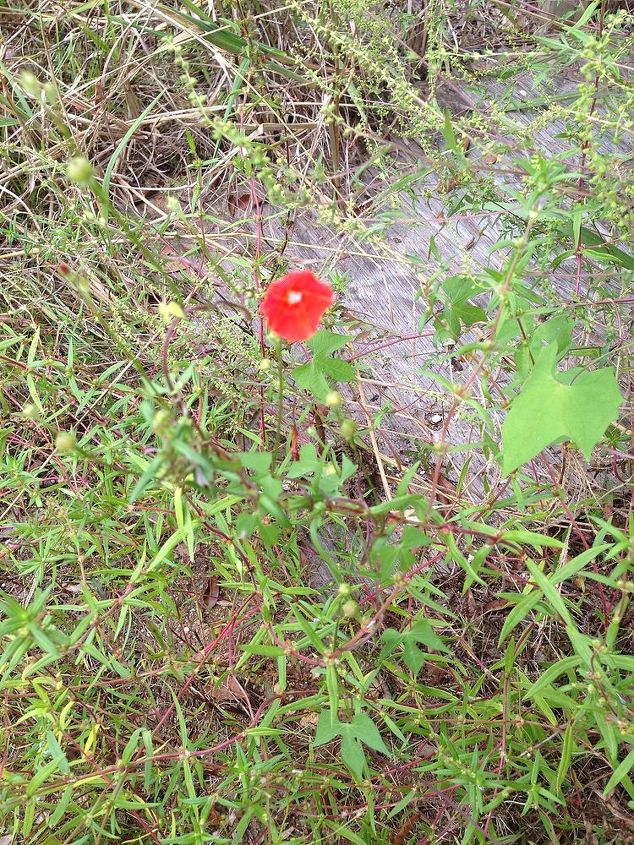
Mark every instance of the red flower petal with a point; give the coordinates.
(294, 305)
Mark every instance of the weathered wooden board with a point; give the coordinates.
(386, 273)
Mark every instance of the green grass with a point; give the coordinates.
(207, 639)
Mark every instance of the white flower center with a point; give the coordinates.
(294, 296)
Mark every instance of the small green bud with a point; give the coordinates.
(30, 411)
(348, 429)
(169, 310)
(350, 609)
(332, 398)
(79, 170)
(50, 92)
(65, 442)
(31, 84)
(83, 287)
(161, 421)
(345, 589)
(173, 205)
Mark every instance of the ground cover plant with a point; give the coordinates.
(245, 597)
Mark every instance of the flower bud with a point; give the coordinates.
(173, 205)
(65, 442)
(31, 84)
(332, 398)
(30, 411)
(348, 429)
(50, 92)
(169, 310)
(350, 609)
(79, 170)
(161, 421)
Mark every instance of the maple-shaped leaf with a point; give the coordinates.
(420, 633)
(312, 375)
(360, 730)
(554, 406)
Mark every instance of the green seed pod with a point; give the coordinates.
(65, 442)
(348, 429)
(350, 609)
(80, 171)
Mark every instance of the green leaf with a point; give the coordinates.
(218, 35)
(360, 730)
(450, 136)
(312, 375)
(593, 239)
(368, 733)
(311, 378)
(566, 664)
(566, 756)
(619, 773)
(57, 753)
(120, 148)
(324, 343)
(547, 411)
(518, 613)
(338, 369)
(547, 588)
(308, 463)
(326, 730)
(413, 657)
(531, 538)
(423, 632)
(351, 752)
(259, 462)
(555, 330)
(149, 474)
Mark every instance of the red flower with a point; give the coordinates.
(294, 305)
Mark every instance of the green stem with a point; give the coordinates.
(280, 400)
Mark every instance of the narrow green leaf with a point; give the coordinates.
(120, 148)
(566, 756)
(518, 613)
(553, 672)
(57, 753)
(549, 591)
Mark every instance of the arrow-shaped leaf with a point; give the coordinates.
(548, 410)
(312, 375)
(360, 730)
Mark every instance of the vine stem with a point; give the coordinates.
(584, 153)
(280, 400)
(464, 390)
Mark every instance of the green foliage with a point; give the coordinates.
(360, 731)
(233, 607)
(313, 376)
(576, 405)
(420, 633)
